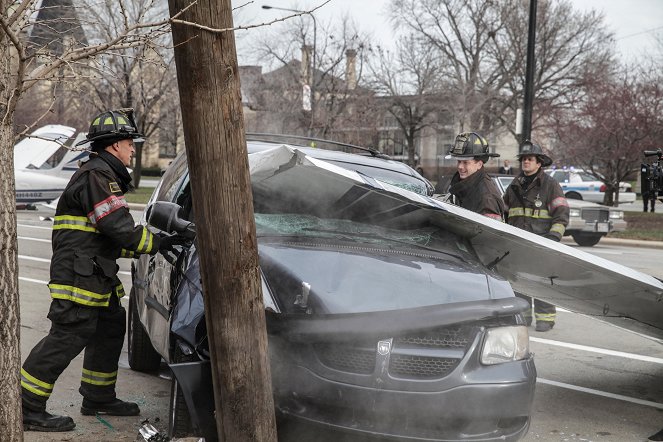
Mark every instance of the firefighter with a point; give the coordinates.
(92, 228)
(535, 202)
(471, 187)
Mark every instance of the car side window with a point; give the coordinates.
(561, 176)
(183, 198)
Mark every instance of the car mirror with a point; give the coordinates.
(169, 217)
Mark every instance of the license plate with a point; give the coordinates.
(603, 227)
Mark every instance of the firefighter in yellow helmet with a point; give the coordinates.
(535, 202)
(92, 228)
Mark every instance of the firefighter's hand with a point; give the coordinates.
(167, 243)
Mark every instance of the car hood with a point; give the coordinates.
(356, 278)
(535, 266)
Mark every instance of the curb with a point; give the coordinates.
(136, 206)
(623, 242)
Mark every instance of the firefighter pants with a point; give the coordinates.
(543, 312)
(74, 328)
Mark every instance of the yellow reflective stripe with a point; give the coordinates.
(73, 223)
(143, 238)
(78, 295)
(530, 213)
(127, 253)
(98, 377)
(119, 290)
(546, 317)
(559, 228)
(34, 385)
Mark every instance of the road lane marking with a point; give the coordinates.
(34, 258)
(36, 281)
(34, 227)
(600, 393)
(604, 351)
(28, 238)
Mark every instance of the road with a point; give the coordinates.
(595, 382)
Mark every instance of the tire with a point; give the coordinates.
(142, 355)
(574, 196)
(586, 239)
(179, 418)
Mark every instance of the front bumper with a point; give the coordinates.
(476, 412)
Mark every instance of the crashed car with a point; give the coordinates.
(377, 324)
(588, 222)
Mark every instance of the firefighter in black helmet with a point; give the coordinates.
(91, 230)
(471, 187)
(535, 202)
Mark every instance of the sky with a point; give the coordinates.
(633, 21)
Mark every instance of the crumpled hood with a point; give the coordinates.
(367, 278)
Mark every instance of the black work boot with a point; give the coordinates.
(43, 421)
(116, 407)
(544, 326)
(657, 436)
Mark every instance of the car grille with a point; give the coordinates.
(404, 361)
(599, 214)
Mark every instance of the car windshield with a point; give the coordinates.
(308, 226)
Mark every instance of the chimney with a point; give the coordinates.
(306, 65)
(351, 68)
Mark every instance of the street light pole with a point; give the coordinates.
(315, 39)
(529, 76)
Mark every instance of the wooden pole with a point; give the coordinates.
(208, 79)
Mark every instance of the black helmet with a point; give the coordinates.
(111, 126)
(529, 148)
(470, 145)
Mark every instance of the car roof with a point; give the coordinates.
(337, 155)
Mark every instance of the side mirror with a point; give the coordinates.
(169, 218)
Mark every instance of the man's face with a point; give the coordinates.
(123, 150)
(529, 164)
(468, 167)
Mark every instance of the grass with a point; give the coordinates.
(640, 225)
(140, 195)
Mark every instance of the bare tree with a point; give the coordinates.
(409, 82)
(481, 47)
(22, 67)
(334, 71)
(608, 131)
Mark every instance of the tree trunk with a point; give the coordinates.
(213, 123)
(10, 356)
(11, 421)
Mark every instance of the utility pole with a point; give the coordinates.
(529, 75)
(208, 80)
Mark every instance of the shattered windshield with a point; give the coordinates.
(395, 178)
(430, 238)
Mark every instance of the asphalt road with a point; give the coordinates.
(595, 382)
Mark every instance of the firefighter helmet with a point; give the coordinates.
(470, 145)
(529, 148)
(111, 126)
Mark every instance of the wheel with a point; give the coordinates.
(573, 196)
(179, 419)
(586, 239)
(142, 355)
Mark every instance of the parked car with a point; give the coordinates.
(580, 185)
(588, 222)
(421, 340)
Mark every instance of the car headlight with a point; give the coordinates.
(505, 344)
(574, 212)
(616, 214)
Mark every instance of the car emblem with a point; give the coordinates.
(384, 347)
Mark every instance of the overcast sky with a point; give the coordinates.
(633, 21)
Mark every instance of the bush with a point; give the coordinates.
(150, 171)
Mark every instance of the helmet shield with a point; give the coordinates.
(529, 148)
(111, 126)
(470, 145)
